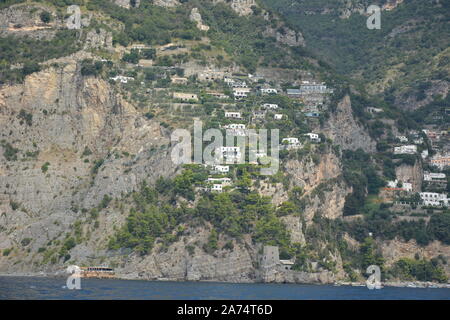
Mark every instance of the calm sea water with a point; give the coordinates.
(49, 288)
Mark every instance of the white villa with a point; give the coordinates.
(312, 87)
(229, 154)
(313, 137)
(271, 106)
(235, 115)
(241, 93)
(221, 181)
(278, 116)
(291, 143)
(269, 91)
(221, 169)
(235, 126)
(434, 199)
(430, 176)
(185, 96)
(217, 188)
(409, 149)
(404, 185)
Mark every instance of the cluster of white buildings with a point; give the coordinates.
(408, 149)
(434, 199)
(312, 87)
(440, 161)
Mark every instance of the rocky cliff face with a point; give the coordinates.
(345, 131)
(324, 192)
(394, 249)
(80, 141)
(24, 20)
(286, 36)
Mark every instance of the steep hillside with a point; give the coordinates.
(407, 60)
(87, 175)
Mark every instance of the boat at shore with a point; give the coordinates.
(97, 272)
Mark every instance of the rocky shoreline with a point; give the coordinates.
(394, 284)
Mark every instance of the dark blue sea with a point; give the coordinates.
(55, 288)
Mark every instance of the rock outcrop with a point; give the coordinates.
(197, 18)
(324, 192)
(128, 3)
(241, 7)
(345, 131)
(166, 3)
(286, 36)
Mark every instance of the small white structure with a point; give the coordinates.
(313, 87)
(122, 79)
(179, 80)
(431, 177)
(291, 143)
(269, 91)
(235, 115)
(313, 137)
(374, 110)
(185, 96)
(238, 84)
(229, 81)
(236, 129)
(287, 264)
(278, 116)
(217, 188)
(235, 126)
(434, 199)
(221, 169)
(409, 149)
(402, 138)
(259, 114)
(441, 160)
(270, 106)
(402, 185)
(240, 93)
(221, 181)
(229, 154)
